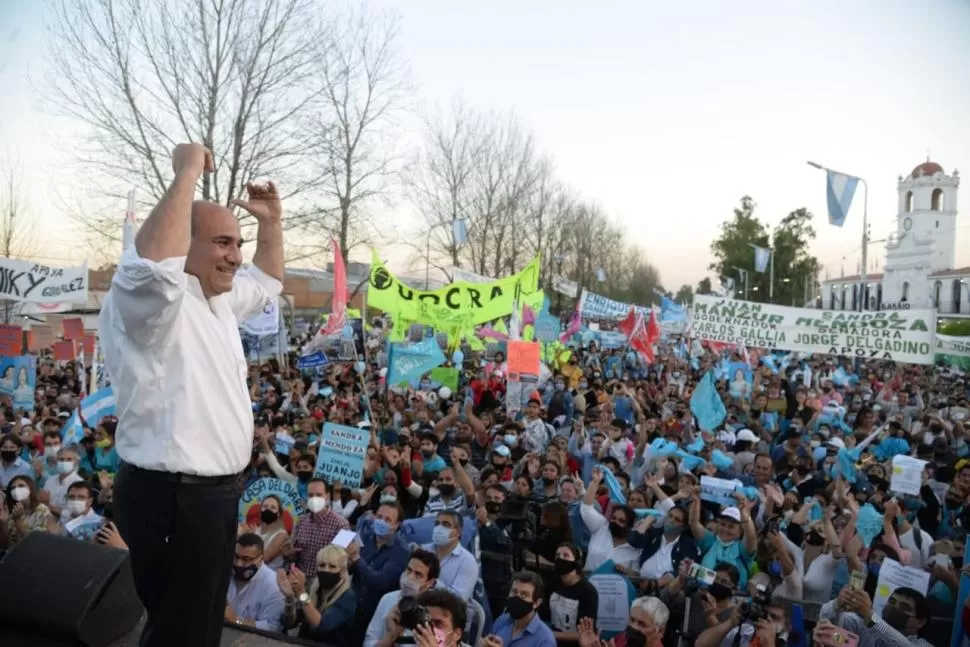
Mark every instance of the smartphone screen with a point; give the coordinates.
(857, 580)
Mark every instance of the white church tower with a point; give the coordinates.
(924, 240)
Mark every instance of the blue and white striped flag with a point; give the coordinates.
(94, 407)
(459, 230)
(761, 257)
(839, 189)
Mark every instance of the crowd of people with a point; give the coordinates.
(480, 524)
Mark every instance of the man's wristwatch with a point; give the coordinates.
(303, 598)
(239, 620)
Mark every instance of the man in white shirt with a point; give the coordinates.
(56, 486)
(169, 329)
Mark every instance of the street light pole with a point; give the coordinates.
(863, 274)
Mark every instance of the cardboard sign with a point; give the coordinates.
(65, 351)
(73, 328)
(11, 341)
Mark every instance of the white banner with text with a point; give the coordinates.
(901, 336)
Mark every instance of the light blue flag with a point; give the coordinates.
(94, 407)
(600, 274)
(671, 311)
(706, 404)
(408, 362)
(762, 255)
(839, 189)
(459, 230)
(612, 485)
(721, 460)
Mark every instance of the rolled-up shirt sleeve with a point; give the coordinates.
(252, 290)
(148, 294)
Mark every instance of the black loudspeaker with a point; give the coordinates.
(61, 591)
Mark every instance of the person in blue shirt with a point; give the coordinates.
(98, 450)
(376, 566)
(520, 625)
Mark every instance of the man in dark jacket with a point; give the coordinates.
(663, 548)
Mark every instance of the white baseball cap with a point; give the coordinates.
(747, 435)
(731, 513)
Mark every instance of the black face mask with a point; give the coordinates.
(427, 453)
(895, 618)
(878, 482)
(634, 638)
(268, 516)
(518, 608)
(564, 566)
(814, 539)
(803, 469)
(492, 507)
(327, 579)
(447, 489)
(617, 530)
(304, 476)
(756, 413)
(8, 456)
(953, 504)
(463, 462)
(718, 591)
(548, 481)
(245, 573)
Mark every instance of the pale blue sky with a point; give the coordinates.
(664, 113)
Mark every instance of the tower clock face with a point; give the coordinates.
(907, 223)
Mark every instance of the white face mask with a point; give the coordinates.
(51, 452)
(316, 503)
(20, 493)
(77, 508)
(65, 467)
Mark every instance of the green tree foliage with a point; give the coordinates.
(685, 295)
(704, 287)
(795, 267)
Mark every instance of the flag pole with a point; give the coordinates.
(865, 245)
(771, 277)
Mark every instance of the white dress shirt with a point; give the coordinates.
(177, 366)
(259, 600)
(58, 486)
(601, 546)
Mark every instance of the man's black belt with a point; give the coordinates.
(181, 478)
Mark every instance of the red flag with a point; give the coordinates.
(640, 335)
(335, 322)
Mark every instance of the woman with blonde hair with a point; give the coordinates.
(325, 612)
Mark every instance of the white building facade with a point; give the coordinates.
(920, 264)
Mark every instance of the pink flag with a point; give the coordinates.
(335, 322)
(528, 315)
(574, 326)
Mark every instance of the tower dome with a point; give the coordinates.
(926, 169)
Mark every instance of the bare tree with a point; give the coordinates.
(141, 75)
(16, 229)
(363, 86)
(439, 180)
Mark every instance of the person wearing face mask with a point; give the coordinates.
(317, 527)
(664, 547)
(79, 518)
(520, 625)
(254, 598)
(734, 542)
(384, 628)
(709, 606)
(270, 530)
(376, 566)
(608, 539)
(500, 461)
(445, 494)
(464, 452)
(573, 374)
(54, 492)
(48, 468)
(771, 630)
(903, 617)
(105, 456)
(303, 467)
(558, 401)
(495, 542)
(784, 563)
(23, 513)
(572, 597)
(324, 611)
(11, 463)
(459, 568)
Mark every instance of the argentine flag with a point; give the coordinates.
(839, 189)
(94, 407)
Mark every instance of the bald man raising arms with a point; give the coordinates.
(169, 329)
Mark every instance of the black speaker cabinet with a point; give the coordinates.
(62, 591)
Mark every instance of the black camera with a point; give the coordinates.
(757, 608)
(412, 613)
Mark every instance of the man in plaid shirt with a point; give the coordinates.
(317, 527)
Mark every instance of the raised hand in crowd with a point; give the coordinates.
(109, 536)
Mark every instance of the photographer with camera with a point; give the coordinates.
(760, 619)
(709, 604)
(389, 624)
(436, 618)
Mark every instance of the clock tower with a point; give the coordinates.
(925, 238)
